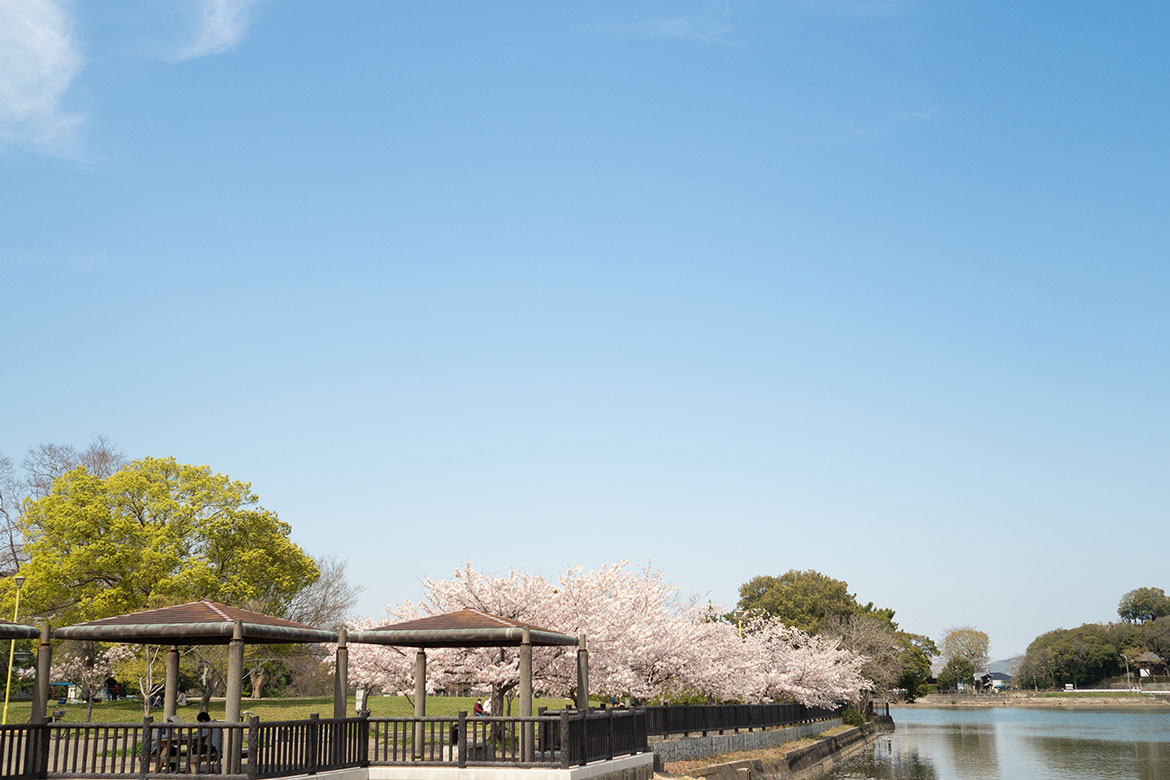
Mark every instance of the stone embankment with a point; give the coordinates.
(806, 762)
(671, 750)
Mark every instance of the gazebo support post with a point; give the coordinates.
(235, 674)
(171, 692)
(44, 663)
(420, 700)
(526, 746)
(582, 674)
(341, 675)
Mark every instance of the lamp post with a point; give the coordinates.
(11, 650)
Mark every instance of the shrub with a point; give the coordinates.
(852, 717)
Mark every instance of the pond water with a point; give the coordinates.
(1018, 744)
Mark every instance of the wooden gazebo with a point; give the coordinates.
(201, 622)
(472, 628)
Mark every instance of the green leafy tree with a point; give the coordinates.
(957, 671)
(153, 533)
(914, 654)
(1082, 656)
(805, 599)
(34, 479)
(1143, 604)
(1156, 634)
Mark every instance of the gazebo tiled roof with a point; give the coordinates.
(465, 628)
(202, 622)
(10, 630)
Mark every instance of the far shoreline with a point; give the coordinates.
(1058, 699)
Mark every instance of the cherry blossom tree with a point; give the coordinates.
(644, 639)
(811, 669)
(519, 596)
(88, 667)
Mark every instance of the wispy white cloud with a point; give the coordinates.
(926, 113)
(220, 25)
(864, 9)
(39, 59)
(711, 25)
(857, 132)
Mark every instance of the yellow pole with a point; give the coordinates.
(11, 652)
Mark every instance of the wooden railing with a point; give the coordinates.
(562, 739)
(124, 750)
(595, 735)
(20, 750)
(147, 749)
(258, 750)
(299, 747)
(665, 720)
(462, 741)
(703, 718)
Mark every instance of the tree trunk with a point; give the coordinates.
(205, 696)
(497, 730)
(257, 678)
(89, 708)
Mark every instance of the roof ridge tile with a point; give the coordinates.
(215, 608)
(497, 618)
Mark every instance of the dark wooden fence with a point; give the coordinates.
(665, 720)
(704, 718)
(258, 750)
(603, 734)
(301, 747)
(113, 750)
(227, 751)
(508, 741)
(20, 751)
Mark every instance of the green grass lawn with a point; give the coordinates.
(1091, 695)
(270, 709)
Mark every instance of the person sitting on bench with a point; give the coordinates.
(210, 741)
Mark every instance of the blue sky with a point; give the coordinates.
(876, 288)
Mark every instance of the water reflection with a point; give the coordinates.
(1104, 759)
(890, 759)
(973, 751)
(1019, 744)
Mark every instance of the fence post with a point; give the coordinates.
(542, 730)
(364, 738)
(462, 739)
(564, 739)
(584, 737)
(39, 757)
(312, 734)
(253, 748)
(144, 761)
(609, 736)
